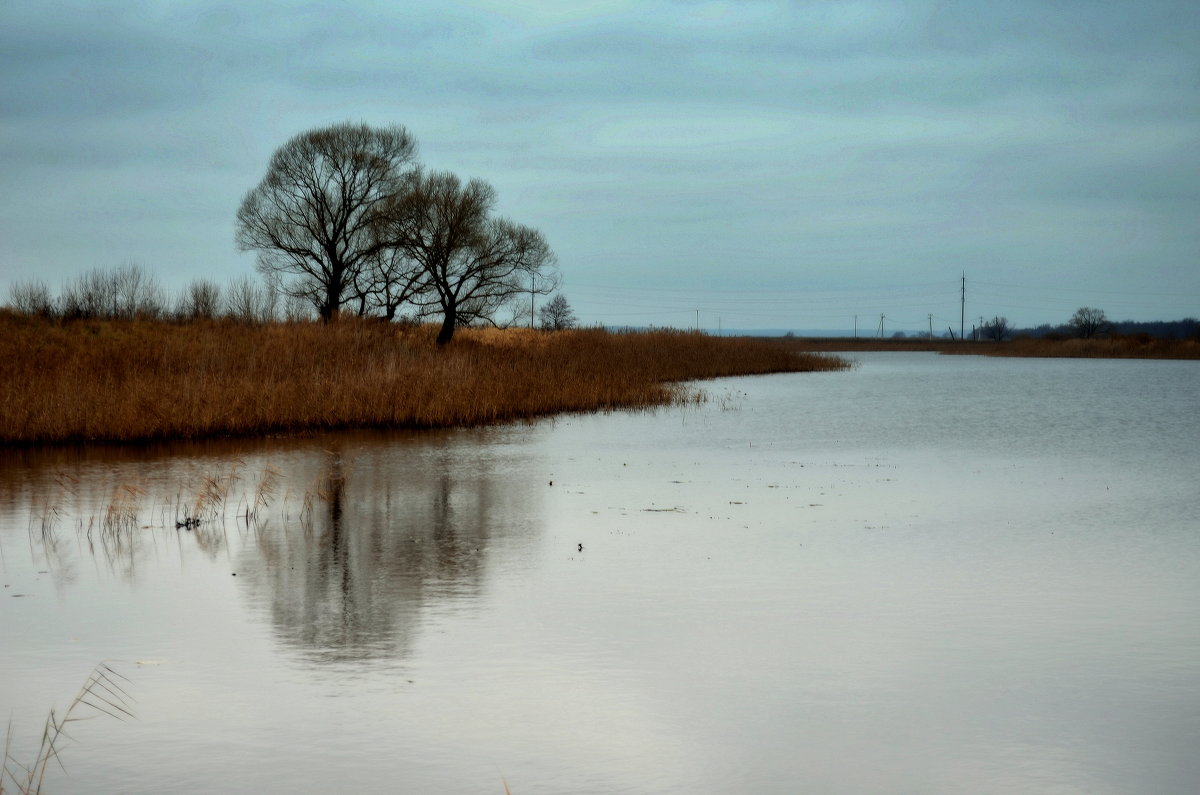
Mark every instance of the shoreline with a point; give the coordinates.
(1114, 347)
(144, 381)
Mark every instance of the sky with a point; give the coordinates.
(736, 164)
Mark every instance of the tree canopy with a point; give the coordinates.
(314, 216)
(1088, 322)
(557, 314)
(346, 215)
(997, 328)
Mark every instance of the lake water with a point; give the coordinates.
(928, 574)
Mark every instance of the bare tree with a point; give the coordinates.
(392, 280)
(296, 309)
(1088, 322)
(137, 293)
(474, 265)
(248, 302)
(503, 267)
(31, 298)
(997, 328)
(127, 292)
(200, 299)
(315, 215)
(556, 315)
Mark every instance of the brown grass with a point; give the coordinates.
(140, 380)
(1116, 347)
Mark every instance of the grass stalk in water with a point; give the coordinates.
(101, 694)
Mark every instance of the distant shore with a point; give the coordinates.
(141, 380)
(1112, 347)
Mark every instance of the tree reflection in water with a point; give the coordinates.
(360, 536)
(387, 538)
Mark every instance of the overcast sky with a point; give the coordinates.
(765, 163)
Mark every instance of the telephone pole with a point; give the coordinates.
(931, 326)
(532, 299)
(962, 309)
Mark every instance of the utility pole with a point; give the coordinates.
(532, 293)
(697, 320)
(962, 308)
(881, 325)
(856, 327)
(931, 326)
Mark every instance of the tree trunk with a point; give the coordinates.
(333, 300)
(447, 331)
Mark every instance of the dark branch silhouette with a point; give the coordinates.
(315, 215)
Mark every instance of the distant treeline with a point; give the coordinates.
(1188, 328)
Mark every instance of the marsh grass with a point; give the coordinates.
(1137, 346)
(264, 495)
(142, 380)
(102, 694)
(121, 514)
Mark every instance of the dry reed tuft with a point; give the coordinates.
(101, 694)
(141, 380)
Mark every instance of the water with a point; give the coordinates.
(927, 574)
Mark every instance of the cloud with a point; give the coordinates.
(654, 142)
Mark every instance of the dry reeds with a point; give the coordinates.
(140, 380)
(1137, 346)
(101, 694)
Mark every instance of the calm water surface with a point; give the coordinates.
(928, 574)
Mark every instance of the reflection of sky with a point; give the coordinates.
(765, 596)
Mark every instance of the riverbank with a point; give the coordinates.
(144, 380)
(1116, 347)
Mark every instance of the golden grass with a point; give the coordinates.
(140, 380)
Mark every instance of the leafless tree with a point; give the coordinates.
(296, 309)
(137, 293)
(1088, 322)
(200, 299)
(127, 292)
(249, 302)
(314, 216)
(474, 265)
(997, 328)
(391, 280)
(31, 297)
(556, 315)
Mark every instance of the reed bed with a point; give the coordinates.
(1115, 347)
(143, 380)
